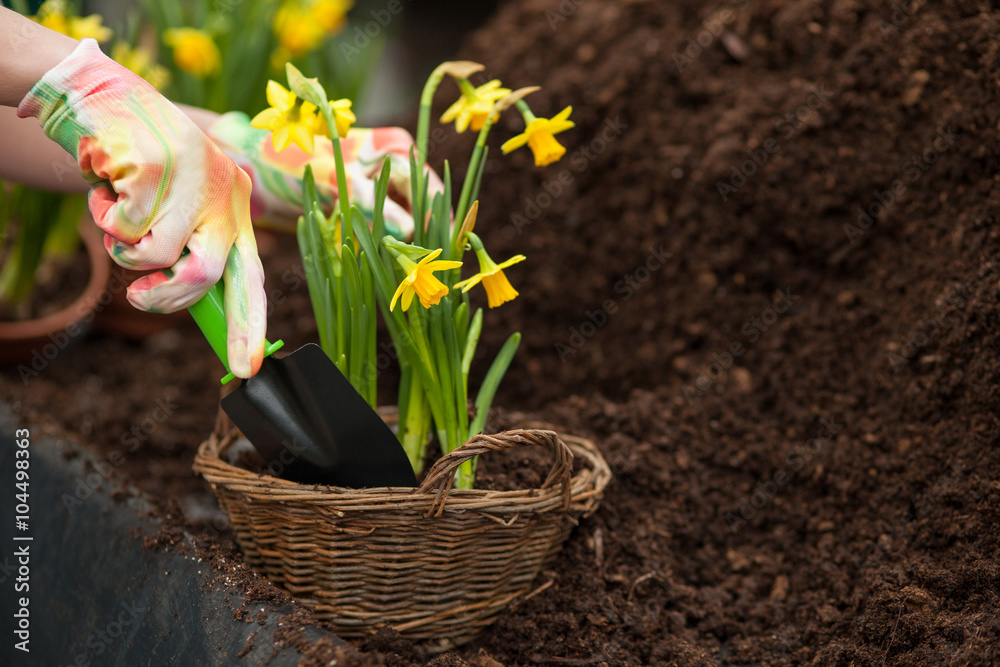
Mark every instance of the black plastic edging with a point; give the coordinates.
(95, 595)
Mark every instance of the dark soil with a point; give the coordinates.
(799, 402)
(59, 281)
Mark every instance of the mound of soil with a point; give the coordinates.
(764, 279)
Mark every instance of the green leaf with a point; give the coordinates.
(417, 188)
(462, 323)
(328, 231)
(315, 262)
(354, 293)
(440, 222)
(479, 176)
(381, 192)
(475, 329)
(488, 390)
(36, 213)
(63, 238)
(438, 211)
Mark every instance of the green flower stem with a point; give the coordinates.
(453, 357)
(468, 90)
(418, 161)
(440, 320)
(338, 158)
(477, 155)
(341, 307)
(346, 227)
(413, 431)
(424, 119)
(422, 350)
(525, 110)
(371, 330)
(466, 475)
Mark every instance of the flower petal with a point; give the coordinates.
(514, 143)
(279, 97)
(442, 265)
(408, 299)
(303, 136)
(464, 118)
(452, 111)
(429, 257)
(562, 115)
(399, 290)
(267, 119)
(469, 283)
(282, 137)
(513, 260)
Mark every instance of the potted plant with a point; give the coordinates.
(42, 305)
(49, 291)
(41, 232)
(439, 562)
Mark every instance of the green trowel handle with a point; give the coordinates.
(210, 314)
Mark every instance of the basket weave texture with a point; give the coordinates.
(436, 563)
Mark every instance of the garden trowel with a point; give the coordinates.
(304, 417)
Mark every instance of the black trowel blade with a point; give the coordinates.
(312, 426)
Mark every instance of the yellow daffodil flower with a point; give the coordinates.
(141, 62)
(194, 51)
(342, 116)
(420, 280)
(54, 15)
(289, 120)
(539, 135)
(298, 31)
(330, 15)
(498, 289)
(474, 106)
(89, 26)
(54, 21)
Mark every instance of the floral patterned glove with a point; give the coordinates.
(159, 186)
(277, 177)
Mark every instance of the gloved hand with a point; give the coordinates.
(277, 177)
(159, 185)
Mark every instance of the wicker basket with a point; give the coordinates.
(438, 564)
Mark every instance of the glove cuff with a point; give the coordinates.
(56, 100)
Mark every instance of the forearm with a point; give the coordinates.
(29, 52)
(28, 157)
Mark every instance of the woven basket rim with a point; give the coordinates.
(587, 484)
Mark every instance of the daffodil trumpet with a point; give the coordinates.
(539, 135)
(475, 105)
(289, 119)
(498, 288)
(420, 279)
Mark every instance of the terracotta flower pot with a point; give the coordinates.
(40, 340)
